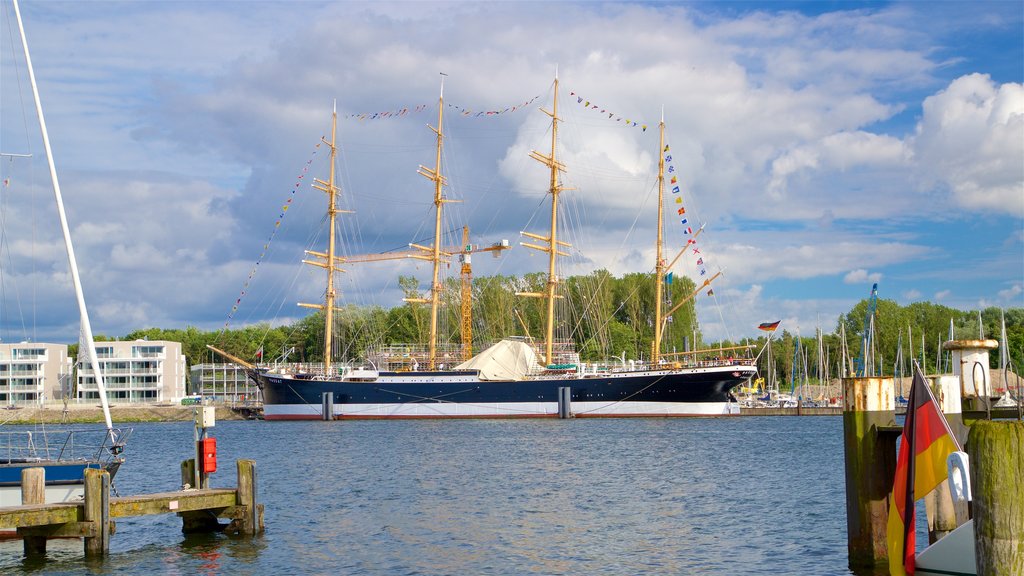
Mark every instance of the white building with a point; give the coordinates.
(135, 371)
(31, 373)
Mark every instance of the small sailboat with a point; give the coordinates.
(515, 377)
(64, 453)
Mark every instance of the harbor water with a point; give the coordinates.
(729, 496)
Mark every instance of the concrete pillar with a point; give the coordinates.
(970, 365)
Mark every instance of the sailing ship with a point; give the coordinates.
(64, 453)
(514, 378)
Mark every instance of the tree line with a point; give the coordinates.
(605, 317)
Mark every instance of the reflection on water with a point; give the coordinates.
(703, 496)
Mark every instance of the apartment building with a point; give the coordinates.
(32, 373)
(135, 371)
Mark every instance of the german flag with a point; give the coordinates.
(770, 326)
(920, 467)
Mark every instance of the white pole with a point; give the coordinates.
(72, 263)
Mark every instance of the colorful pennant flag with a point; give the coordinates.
(925, 445)
(626, 121)
(273, 233)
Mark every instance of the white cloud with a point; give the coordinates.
(942, 295)
(1011, 293)
(911, 295)
(780, 123)
(970, 139)
(860, 276)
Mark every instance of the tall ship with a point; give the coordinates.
(517, 377)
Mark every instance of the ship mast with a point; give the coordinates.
(329, 260)
(436, 255)
(552, 241)
(659, 261)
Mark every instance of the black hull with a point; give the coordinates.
(453, 394)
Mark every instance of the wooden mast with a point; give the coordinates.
(552, 240)
(329, 258)
(659, 261)
(436, 256)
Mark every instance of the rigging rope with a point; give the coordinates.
(273, 233)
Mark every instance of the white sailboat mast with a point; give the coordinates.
(72, 262)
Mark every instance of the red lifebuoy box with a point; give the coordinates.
(208, 450)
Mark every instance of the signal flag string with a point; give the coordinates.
(273, 233)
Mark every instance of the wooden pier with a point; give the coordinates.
(93, 519)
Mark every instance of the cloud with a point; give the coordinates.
(861, 276)
(942, 295)
(969, 140)
(789, 131)
(1011, 293)
(911, 295)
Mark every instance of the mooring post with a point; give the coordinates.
(564, 402)
(97, 511)
(327, 406)
(252, 522)
(996, 452)
(869, 434)
(943, 514)
(188, 473)
(33, 491)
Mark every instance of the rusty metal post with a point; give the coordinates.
(869, 438)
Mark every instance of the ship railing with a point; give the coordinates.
(96, 444)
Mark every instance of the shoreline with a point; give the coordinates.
(90, 414)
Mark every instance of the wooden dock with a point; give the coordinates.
(93, 519)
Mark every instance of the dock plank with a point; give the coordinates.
(171, 502)
(40, 514)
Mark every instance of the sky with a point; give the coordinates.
(824, 147)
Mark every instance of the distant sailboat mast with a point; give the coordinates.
(72, 261)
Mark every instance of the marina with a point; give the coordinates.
(386, 393)
(637, 496)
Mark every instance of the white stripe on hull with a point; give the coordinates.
(11, 495)
(500, 410)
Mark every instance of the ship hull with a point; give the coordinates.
(408, 395)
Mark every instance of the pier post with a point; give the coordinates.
(33, 491)
(564, 402)
(252, 521)
(97, 511)
(188, 473)
(869, 438)
(996, 452)
(943, 514)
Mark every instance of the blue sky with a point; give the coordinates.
(825, 146)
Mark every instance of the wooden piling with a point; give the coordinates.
(251, 522)
(996, 452)
(869, 437)
(97, 511)
(33, 491)
(942, 513)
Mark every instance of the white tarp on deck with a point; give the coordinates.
(506, 360)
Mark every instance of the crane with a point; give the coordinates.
(866, 360)
(420, 252)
